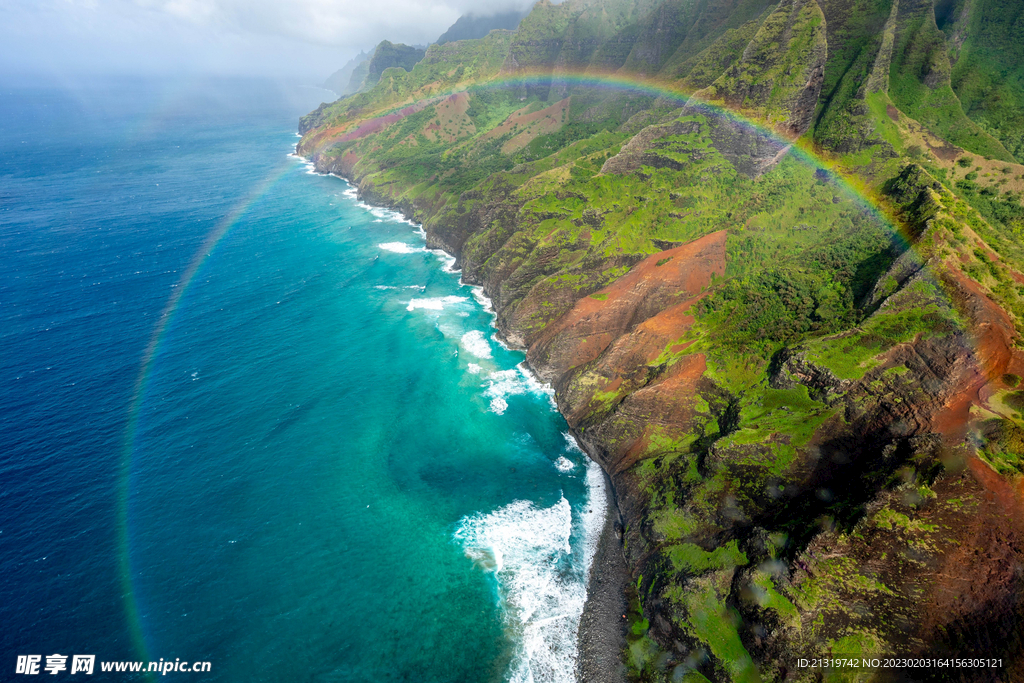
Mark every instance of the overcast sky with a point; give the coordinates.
(300, 39)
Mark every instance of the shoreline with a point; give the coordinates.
(601, 633)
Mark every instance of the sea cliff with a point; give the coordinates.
(778, 296)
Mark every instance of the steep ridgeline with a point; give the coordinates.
(812, 419)
(471, 25)
(341, 80)
(363, 71)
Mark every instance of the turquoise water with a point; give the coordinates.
(336, 472)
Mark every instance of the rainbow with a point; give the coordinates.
(801, 147)
(149, 356)
(630, 85)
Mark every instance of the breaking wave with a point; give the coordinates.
(475, 343)
(564, 464)
(516, 382)
(541, 590)
(437, 303)
(400, 248)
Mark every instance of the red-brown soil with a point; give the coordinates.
(650, 300)
(530, 125)
(451, 118)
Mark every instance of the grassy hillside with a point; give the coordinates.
(785, 315)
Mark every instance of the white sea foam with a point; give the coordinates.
(474, 342)
(534, 385)
(503, 383)
(542, 583)
(571, 444)
(540, 589)
(437, 303)
(400, 248)
(383, 214)
(309, 165)
(594, 515)
(516, 382)
(564, 464)
(447, 260)
(481, 298)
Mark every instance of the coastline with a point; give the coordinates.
(601, 634)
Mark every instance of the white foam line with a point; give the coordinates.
(515, 382)
(310, 166)
(594, 516)
(400, 248)
(438, 303)
(481, 298)
(540, 593)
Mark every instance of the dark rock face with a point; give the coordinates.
(750, 150)
(470, 26)
(389, 55)
(789, 369)
(314, 119)
(642, 149)
(779, 77)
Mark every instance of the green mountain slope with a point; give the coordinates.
(987, 49)
(471, 26)
(769, 256)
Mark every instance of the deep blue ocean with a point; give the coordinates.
(247, 419)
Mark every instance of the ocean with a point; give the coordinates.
(246, 419)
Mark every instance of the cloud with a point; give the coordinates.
(234, 36)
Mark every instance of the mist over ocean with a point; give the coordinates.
(333, 471)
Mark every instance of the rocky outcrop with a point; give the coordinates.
(779, 76)
(470, 26)
(648, 147)
(778, 80)
(313, 119)
(388, 55)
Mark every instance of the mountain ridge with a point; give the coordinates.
(807, 402)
